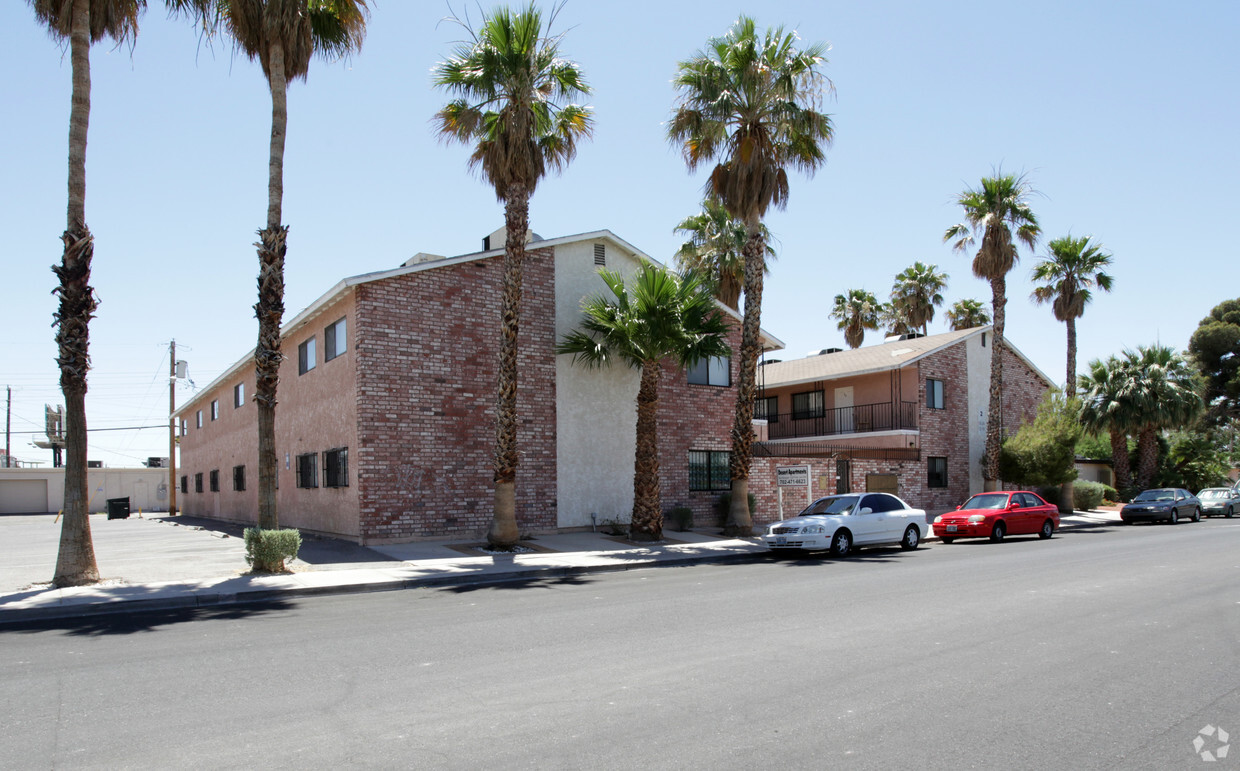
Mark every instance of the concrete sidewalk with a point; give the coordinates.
(161, 563)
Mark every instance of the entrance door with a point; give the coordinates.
(844, 409)
(843, 476)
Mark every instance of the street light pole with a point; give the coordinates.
(172, 427)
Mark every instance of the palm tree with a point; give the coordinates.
(967, 314)
(82, 23)
(917, 291)
(1109, 404)
(283, 35)
(991, 211)
(1167, 397)
(856, 311)
(658, 316)
(748, 103)
(893, 320)
(1065, 279)
(512, 92)
(716, 249)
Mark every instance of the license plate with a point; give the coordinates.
(780, 541)
(951, 528)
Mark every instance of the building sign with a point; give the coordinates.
(792, 476)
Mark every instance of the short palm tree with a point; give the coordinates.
(893, 320)
(1066, 278)
(513, 94)
(992, 211)
(82, 23)
(855, 311)
(1167, 396)
(917, 291)
(967, 314)
(658, 316)
(1109, 405)
(748, 104)
(715, 249)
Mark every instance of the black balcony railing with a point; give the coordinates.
(860, 419)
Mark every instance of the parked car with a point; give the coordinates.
(841, 523)
(1167, 504)
(1217, 501)
(997, 515)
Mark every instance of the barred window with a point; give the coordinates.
(184, 483)
(238, 478)
(336, 467)
(198, 482)
(308, 470)
(215, 480)
(708, 470)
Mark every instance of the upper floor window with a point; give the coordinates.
(215, 409)
(335, 340)
(238, 394)
(766, 408)
(308, 470)
(199, 419)
(936, 472)
(184, 483)
(807, 404)
(215, 480)
(184, 426)
(934, 394)
(336, 467)
(198, 482)
(238, 478)
(715, 371)
(306, 357)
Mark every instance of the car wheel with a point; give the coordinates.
(1230, 512)
(841, 544)
(998, 532)
(1197, 514)
(1175, 517)
(947, 540)
(912, 538)
(1048, 529)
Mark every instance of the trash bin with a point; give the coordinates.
(118, 508)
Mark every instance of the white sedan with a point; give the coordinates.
(842, 523)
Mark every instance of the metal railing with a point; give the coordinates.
(859, 419)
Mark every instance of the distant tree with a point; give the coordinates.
(82, 24)
(917, 291)
(657, 316)
(1193, 461)
(514, 92)
(1065, 279)
(715, 250)
(1110, 405)
(892, 320)
(992, 211)
(1215, 349)
(1165, 387)
(855, 312)
(967, 314)
(1043, 453)
(748, 103)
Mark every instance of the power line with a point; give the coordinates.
(91, 430)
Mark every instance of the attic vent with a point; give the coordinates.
(825, 351)
(600, 254)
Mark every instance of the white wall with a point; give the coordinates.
(147, 489)
(978, 358)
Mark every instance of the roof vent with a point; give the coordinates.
(765, 362)
(422, 257)
(825, 351)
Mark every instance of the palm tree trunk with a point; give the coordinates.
(75, 560)
(1147, 457)
(994, 418)
(740, 520)
(647, 513)
(1119, 461)
(503, 533)
(1070, 380)
(272, 247)
(729, 290)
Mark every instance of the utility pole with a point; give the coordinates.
(8, 425)
(172, 427)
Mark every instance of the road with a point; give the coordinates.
(1108, 648)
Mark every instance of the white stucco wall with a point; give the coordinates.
(146, 489)
(596, 410)
(978, 358)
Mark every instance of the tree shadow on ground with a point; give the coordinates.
(136, 621)
(315, 549)
(502, 584)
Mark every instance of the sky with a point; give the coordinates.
(1123, 116)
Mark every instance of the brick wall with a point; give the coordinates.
(428, 349)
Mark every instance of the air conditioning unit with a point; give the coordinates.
(157, 463)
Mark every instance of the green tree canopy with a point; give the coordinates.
(856, 311)
(1043, 453)
(1066, 279)
(917, 291)
(1215, 348)
(715, 249)
(967, 314)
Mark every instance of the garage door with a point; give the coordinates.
(23, 496)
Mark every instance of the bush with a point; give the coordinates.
(682, 517)
(1087, 496)
(266, 550)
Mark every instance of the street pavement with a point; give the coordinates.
(160, 562)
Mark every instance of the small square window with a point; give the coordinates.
(335, 340)
(238, 395)
(336, 467)
(198, 482)
(936, 472)
(934, 394)
(715, 371)
(215, 409)
(308, 470)
(306, 357)
(215, 480)
(238, 478)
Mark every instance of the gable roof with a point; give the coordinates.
(873, 358)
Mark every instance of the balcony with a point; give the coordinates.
(859, 419)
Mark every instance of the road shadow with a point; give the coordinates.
(509, 584)
(137, 621)
(315, 549)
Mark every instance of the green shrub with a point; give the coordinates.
(682, 517)
(266, 550)
(1087, 496)
(1110, 494)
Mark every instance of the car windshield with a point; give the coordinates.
(1217, 493)
(1155, 495)
(836, 504)
(986, 501)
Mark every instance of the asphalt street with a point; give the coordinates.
(1105, 648)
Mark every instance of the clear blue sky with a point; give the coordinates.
(1123, 115)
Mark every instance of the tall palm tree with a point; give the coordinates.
(917, 291)
(513, 94)
(1167, 397)
(748, 103)
(992, 211)
(82, 23)
(283, 35)
(967, 314)
(716, 247)
(1109, 404)
(658, 316)
(1066, 279)
(856, 311)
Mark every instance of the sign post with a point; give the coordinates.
(790, 476)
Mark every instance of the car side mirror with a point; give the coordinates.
(958, 507)
(1014, 507)
(865, 510)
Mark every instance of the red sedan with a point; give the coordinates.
(999, 514)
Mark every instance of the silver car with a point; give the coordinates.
(1219, 501)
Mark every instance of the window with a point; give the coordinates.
(199, 418)
(766, 408)
(715, 371)
(238, 395)
(215, 409)
(936, 472)
(336, 467)
(184, 426)
(808, 404)
(306, 357)
(238, 478)
(215, 480)
(184, 483)
(934, 394)
(335, 341)
(708, 470)
(198, 482)
(877, 502)
(308, 470)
